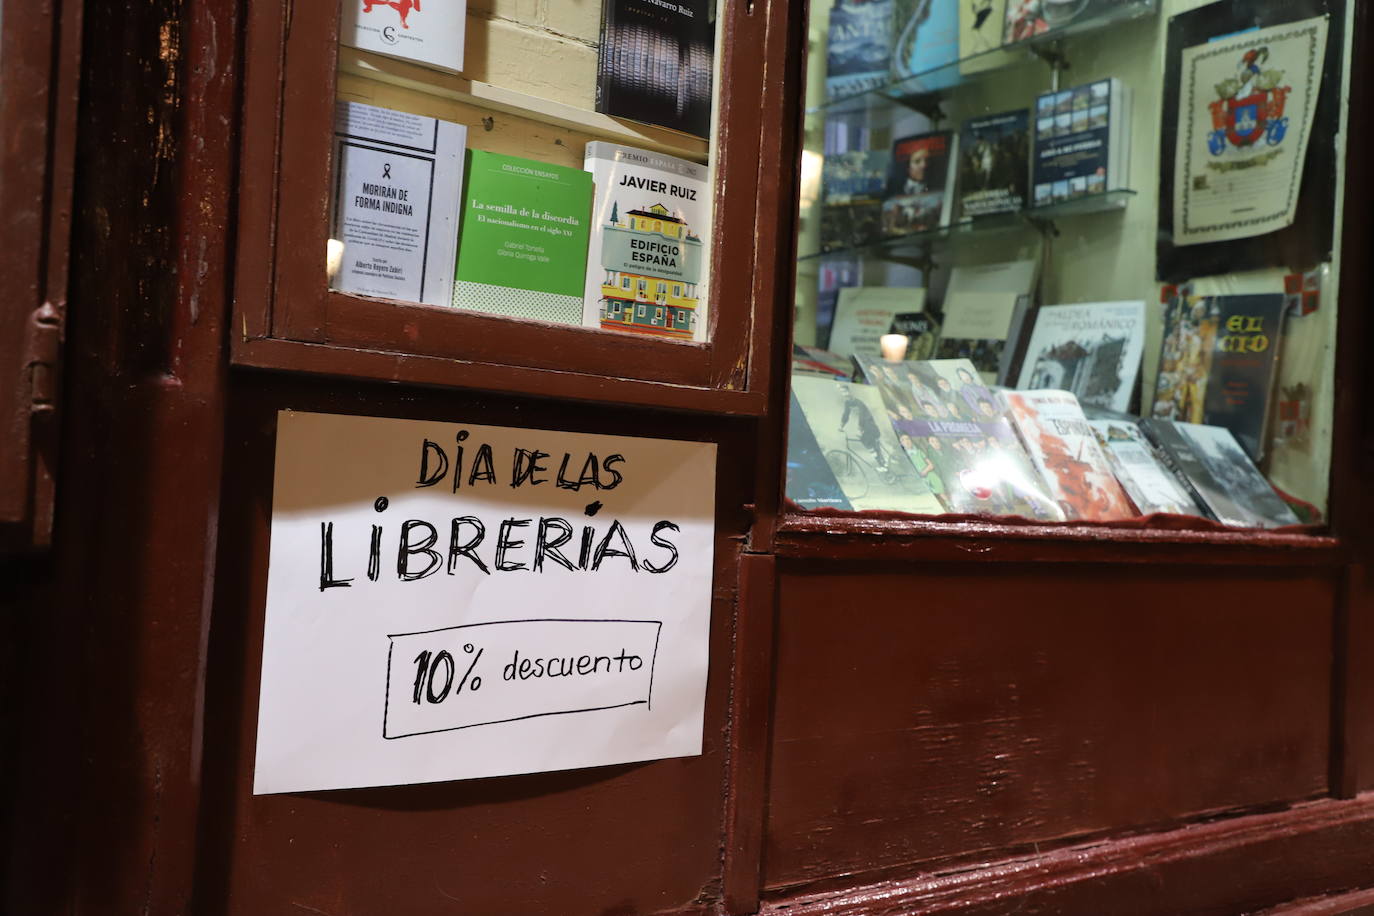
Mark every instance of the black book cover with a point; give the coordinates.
(1217, 363)
(654, 63)
(1210, 463)
(994, 163)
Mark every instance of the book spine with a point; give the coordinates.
(1166, 458)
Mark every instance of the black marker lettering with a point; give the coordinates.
(459, 548)
(482, 468)
(545, 547)
(327, 579)
(606, 466)
(604, 549)
(504, 543)
(427, 479)
(659, 541)
(526, 465)
(405, 550)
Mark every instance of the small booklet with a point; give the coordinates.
(432, 36)
(1067, 454)
(398, 181)
(1150, 484)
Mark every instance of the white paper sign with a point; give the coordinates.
(451, 601)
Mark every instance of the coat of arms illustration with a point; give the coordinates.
(1249, 107)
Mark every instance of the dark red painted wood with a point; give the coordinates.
(1229, 866)
(945, 710)
(620, 839)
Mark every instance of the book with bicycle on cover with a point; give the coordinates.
(852, 432)
(960, 439)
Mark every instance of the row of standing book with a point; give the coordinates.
(1074, 143)
(621, 244)
(1059, 442)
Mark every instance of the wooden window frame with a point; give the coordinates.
(286, 318)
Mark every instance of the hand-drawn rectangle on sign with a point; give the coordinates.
(451, 601)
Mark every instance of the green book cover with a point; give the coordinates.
(522, 245)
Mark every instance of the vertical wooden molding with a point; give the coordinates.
(751, 697)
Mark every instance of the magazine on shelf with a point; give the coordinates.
(1150, 484)
(398, 185)
(1222, 478)
(810, 483)
(960, 439)
(522, 250)
(1082, 139)
(1067, 455)
(432, 37)
(1029, 18)
(858, 49)
(852, 432)
(1092, 350)
(920, 184)
(925, 45)
(654, 63)
(649, 249)
(994, 164)
(1218, 363)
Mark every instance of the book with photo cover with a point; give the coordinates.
(649, 247)
(654, 63)
(852, 432)
(1150, 484)
(1067, 455)
(852, 186)
(858, 49)
(960, 439)
(522, 248)
(397, 195)
(1221, 477)
(922, 332)
(994, 164)
(1092, 350)
(432, 37)
(1081, 143)
(920, 184)
(810, 483)
(978, 327)
(1218, 363)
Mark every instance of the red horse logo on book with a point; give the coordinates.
(401, 6)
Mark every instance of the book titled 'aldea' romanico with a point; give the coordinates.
(654, 63)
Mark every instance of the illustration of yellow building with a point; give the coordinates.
(653, 264)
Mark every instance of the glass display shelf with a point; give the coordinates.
(979, 228)
(948, 76)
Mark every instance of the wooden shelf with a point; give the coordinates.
(490, 97)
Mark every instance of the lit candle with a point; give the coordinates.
(333, 258)
(894, 347)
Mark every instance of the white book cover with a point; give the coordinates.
(1092, 350)
(1151, 486)
(863, 314)
(431, 36)
(648, 261)
(1067, 455)
(398, 186)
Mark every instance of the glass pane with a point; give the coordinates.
(1070, 259)
(540, 161)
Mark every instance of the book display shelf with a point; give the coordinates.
(429, 213)
(1068, 270)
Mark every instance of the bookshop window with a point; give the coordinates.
(541, 161)
(1070, 260)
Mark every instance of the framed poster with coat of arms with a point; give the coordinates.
(1247, 154)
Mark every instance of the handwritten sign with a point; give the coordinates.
(450, 601)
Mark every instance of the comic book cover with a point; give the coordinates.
(1066, 452)
(960, 439)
